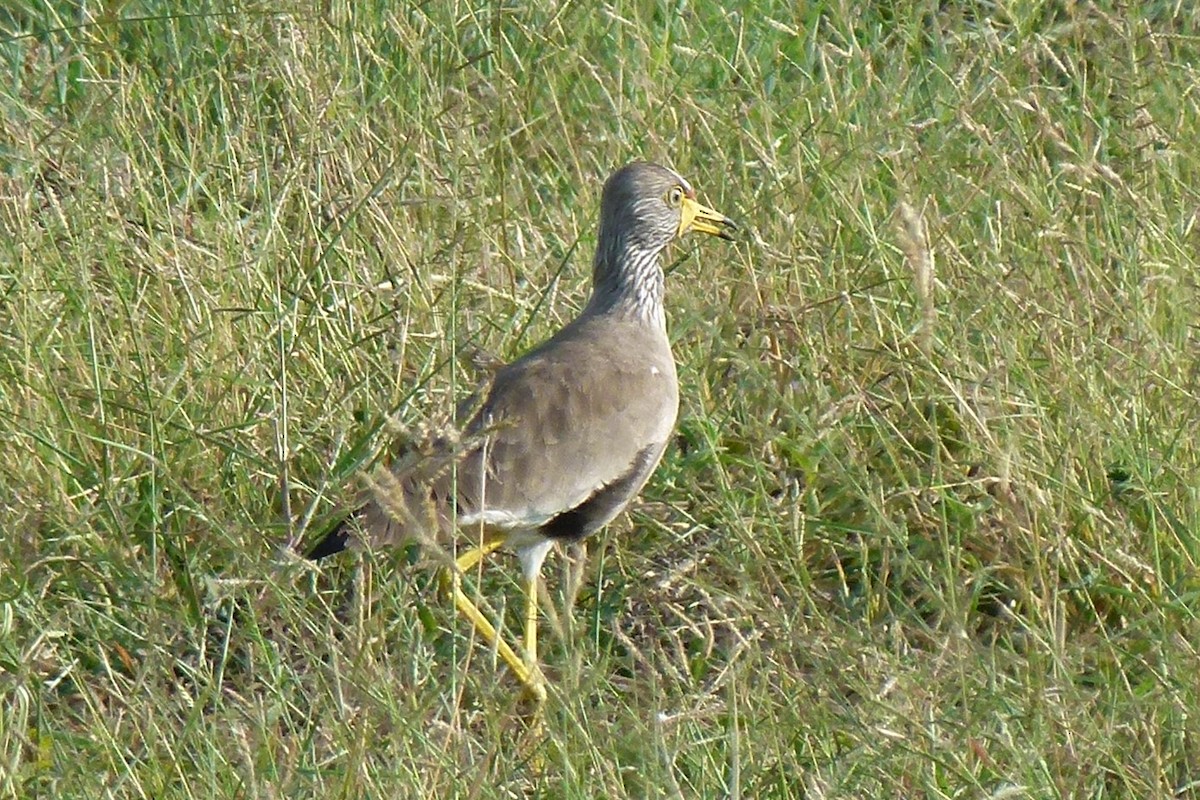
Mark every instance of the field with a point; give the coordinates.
(930, 526)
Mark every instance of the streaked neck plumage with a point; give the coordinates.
(627, 280)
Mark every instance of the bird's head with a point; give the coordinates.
(649, 206)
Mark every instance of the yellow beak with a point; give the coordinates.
(697, 217)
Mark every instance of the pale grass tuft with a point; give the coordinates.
(914, 242)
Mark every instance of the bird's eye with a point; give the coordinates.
(675, 196)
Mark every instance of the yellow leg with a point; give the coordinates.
(531, 620)
(476, 554)
(527, 671)
(534, 739)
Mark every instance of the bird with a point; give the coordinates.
(565, 436)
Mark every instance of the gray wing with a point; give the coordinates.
(571, 431)
(565, 437)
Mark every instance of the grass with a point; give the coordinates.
(929, 527)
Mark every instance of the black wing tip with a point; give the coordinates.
(333, 543)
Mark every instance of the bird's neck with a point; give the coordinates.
(628, 281)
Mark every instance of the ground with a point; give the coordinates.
(929, 525)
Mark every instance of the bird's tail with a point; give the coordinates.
(337, 540)
(410, 501)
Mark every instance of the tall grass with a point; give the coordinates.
(929, 527)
